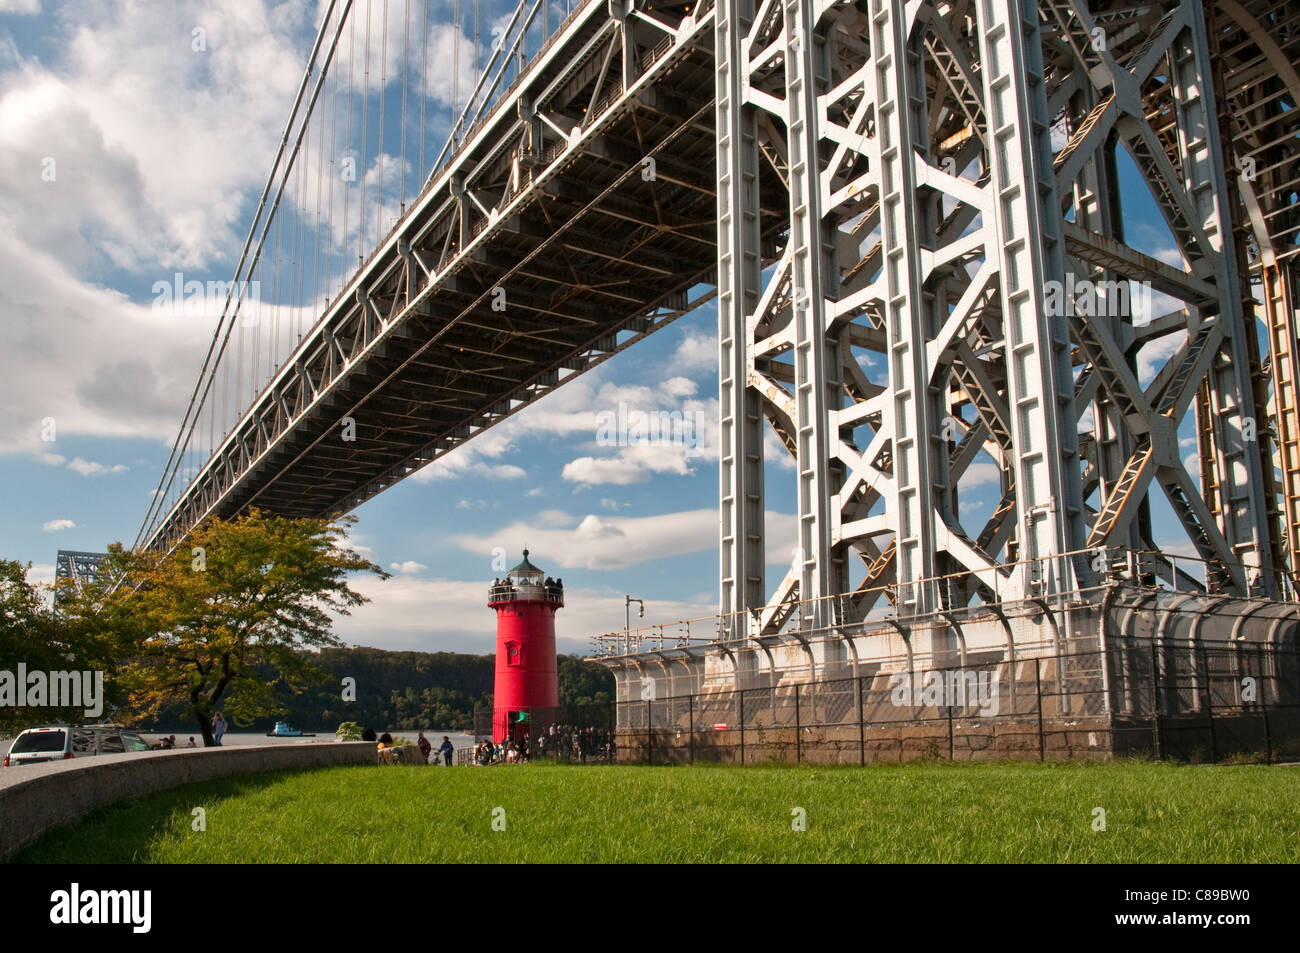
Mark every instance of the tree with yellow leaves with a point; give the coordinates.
(204, 623)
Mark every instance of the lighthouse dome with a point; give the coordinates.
(526, 572)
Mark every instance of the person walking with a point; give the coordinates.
(425, 747)
(445, 749)
(218, 728)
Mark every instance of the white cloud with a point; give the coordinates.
(1157, 242)
(93, 468)
(553, 518)
(42, 574)
(981, 474)
(650, 430)
(606, 541)
(53, 526)
(115, 164)
(774, 450)
(635, 464)
(590, 470)
(400, 610)
(409, 567)
(474, 459)
(780, 532)
(20, 7)
(697, 352)
(680, 387)
(1156, 353)
(602, 542)
(116, 168)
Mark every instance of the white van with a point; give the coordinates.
(61, 742)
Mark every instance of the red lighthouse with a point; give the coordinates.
(526, 680)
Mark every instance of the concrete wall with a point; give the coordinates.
(36, 797)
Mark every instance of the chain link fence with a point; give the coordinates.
(1190, 702)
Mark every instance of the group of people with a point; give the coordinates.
(445, 750)
(169, 741)
(576, 743)
(562, 742)
(554, 587)
(507, 752)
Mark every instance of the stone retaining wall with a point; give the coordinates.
(34, 798)
(1082, 737)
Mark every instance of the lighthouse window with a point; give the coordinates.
(512, 653)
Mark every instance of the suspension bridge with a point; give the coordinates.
(884, 200)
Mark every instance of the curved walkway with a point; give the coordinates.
(34, 798)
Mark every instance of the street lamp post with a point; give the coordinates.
(627, 615)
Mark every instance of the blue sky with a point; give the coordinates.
(143, 129)
(161, 151)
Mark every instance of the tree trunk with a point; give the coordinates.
(205, 717)
(205, 729)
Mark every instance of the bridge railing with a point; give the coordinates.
(968, 591)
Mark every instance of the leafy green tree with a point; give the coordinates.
(43, 639)
(208, 620)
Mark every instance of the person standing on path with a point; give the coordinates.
(218, 728)
(445, 749)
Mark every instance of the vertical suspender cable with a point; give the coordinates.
(168, 476)
(383, 121)
(455, 73)
(365, 142)
(424, 83)
(347, 192)
(317, 237)
(329, 201)
(299, 244)
(406, 54)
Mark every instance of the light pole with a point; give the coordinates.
(627, 614)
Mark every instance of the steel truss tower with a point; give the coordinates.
(955, 290)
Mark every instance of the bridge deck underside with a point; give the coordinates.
(575, 269)
(480, 314)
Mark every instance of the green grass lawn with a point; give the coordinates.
(1154, 812)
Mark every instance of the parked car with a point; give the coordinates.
(61, 742)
